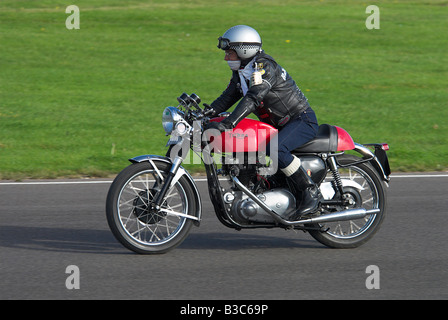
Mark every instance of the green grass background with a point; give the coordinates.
(81, 102)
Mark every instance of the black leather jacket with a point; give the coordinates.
(275, 101)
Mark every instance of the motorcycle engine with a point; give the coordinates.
(246, 210)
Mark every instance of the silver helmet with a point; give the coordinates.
(243, 39)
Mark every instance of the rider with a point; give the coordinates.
(275, 99)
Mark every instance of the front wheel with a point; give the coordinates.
(133, 221)
(362, 189)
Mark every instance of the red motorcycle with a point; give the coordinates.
(153, 203)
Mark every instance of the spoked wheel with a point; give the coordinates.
(362, 189)
(136, 222)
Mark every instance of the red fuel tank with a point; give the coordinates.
(248, 136)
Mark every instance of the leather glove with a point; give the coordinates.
(245, 107)
(221, 126)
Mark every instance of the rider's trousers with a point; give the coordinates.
(294, 134)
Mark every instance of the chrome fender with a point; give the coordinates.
(153, 159)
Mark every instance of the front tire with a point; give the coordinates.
(138, 227)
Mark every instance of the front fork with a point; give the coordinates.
(167, 183)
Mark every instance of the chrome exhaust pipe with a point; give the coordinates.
(350, 214)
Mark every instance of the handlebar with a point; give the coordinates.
(187, 101)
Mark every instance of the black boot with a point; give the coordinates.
(307, 194)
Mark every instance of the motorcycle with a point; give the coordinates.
(153, 203)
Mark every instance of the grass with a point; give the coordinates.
(81, 102)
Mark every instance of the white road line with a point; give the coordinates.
(52, 182)
(197, 180)
(419, 176)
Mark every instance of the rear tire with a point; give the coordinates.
(134, 224)
(353, 233)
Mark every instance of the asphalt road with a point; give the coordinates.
(45, 228)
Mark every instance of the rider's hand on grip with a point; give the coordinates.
(216, 125)
(214, 129)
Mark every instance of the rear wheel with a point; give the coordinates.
(134, 222)
(362, 189)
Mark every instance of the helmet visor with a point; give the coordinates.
(223, 43)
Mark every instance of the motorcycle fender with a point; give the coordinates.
(366, 153)
(153, 159)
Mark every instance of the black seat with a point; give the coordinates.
(325, 141)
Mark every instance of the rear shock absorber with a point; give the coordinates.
(337, 182)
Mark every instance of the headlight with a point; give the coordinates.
(181, 128)
(170, 117)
